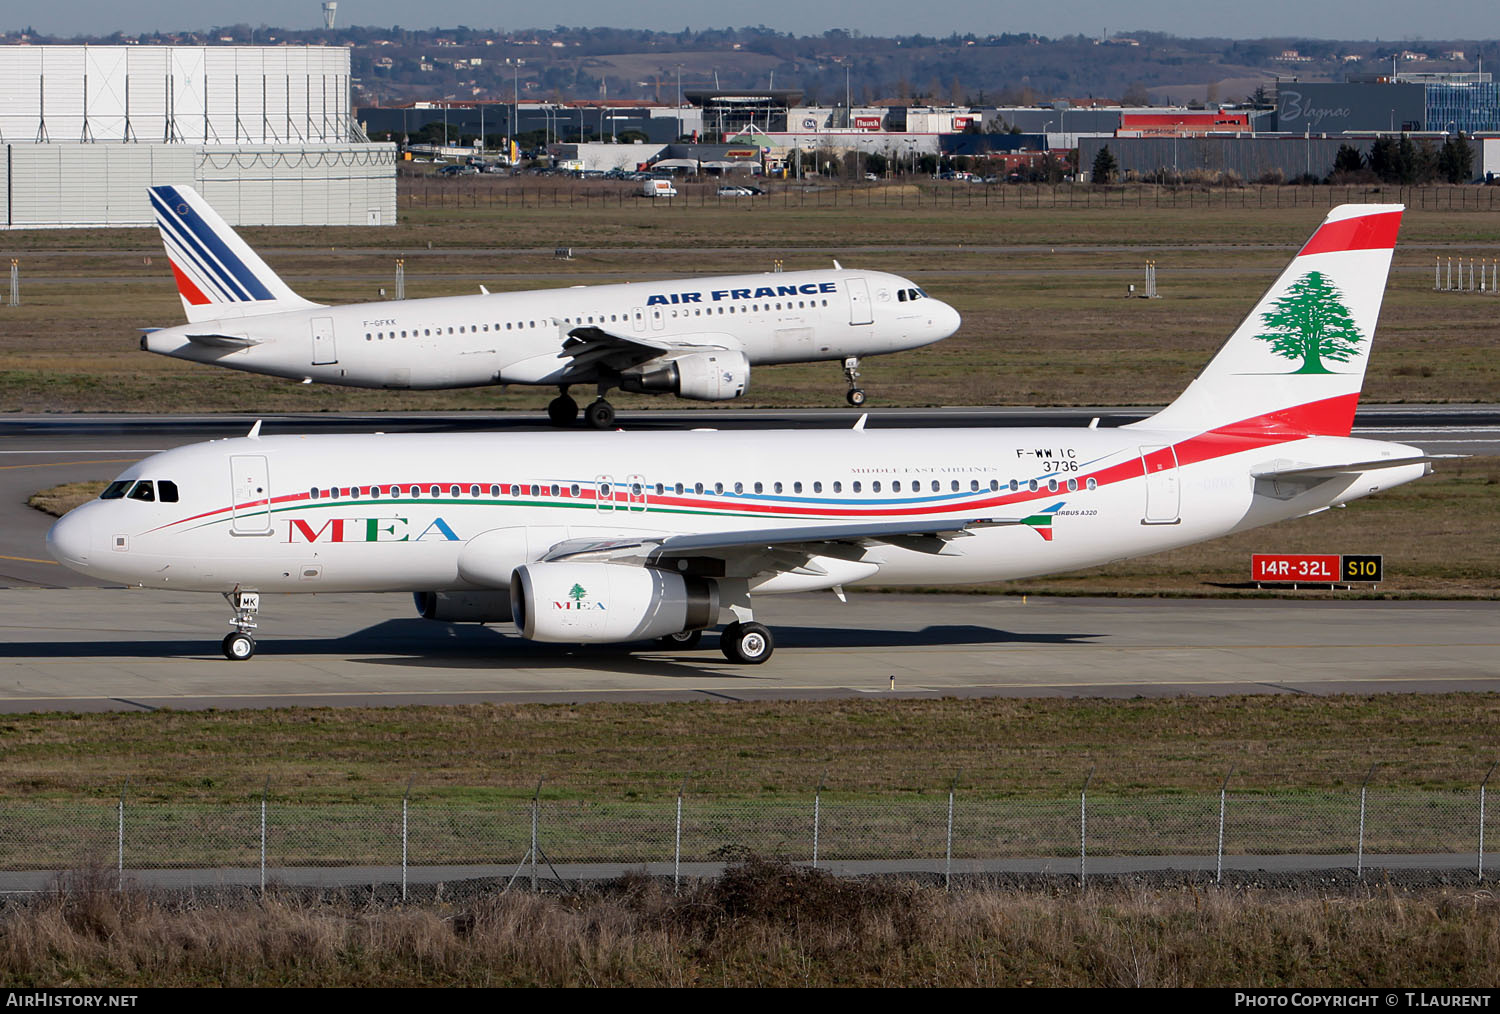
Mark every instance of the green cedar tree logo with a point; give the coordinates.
(577, 593)
(1311, 323)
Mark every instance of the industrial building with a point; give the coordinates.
(264, 132)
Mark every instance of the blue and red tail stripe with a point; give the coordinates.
(197, 243)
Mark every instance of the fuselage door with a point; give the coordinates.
(604, 493)
(860, 311)
(324, 353)
(1163, 491)
(658, 322)
(250, 486)
(638, 319)
(636, 492)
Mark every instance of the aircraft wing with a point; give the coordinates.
(591, 346)
(773, 549)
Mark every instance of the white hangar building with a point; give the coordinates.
(265, 133)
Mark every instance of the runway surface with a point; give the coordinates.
(113, 649)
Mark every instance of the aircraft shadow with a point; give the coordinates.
(415, 642)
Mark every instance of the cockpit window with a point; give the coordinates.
(168, 490)
(143, 490)
(116, 489)
(901, 295)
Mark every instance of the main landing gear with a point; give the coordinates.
(856, 395)
(563, 411)
(239, 644)
(750, 643)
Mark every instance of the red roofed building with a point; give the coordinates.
(1184, 123)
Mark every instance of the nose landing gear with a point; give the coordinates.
(238, 644)
(856, 395)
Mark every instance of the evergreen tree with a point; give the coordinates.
(1348, 160)
(1311, 323)
(1406, 154)
(1385, 159)
(1456, 160)
(1105, 166)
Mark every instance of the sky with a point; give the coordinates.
(1389, 20)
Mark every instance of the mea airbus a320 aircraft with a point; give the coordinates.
(617, 537)
(695, 338)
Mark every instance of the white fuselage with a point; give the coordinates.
(518, 337)
(396, 512)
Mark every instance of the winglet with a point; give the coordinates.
(254, 433)
(859, 426)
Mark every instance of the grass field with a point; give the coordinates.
(1041, 291)
(630, 752)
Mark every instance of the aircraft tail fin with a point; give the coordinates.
(217, 273)
(1296, 364)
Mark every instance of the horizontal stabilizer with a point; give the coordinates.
(1349, 468)
(223, 341)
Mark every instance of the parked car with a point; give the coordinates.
(734, 191)
(658, 188)
(872, 177)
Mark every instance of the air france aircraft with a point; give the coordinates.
(695, 338)
(621, 537)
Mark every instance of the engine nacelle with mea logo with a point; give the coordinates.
(602, 603)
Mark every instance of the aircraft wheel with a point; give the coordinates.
(601, 415)
(684, 640)
(748, 643)
(237, 646)
(856, 397)
(562, 410)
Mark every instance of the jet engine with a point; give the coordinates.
(598, 603)
(464, 606)
(701, 376)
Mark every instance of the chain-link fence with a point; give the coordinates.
(944, 833)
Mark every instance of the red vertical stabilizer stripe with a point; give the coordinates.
(1331, 417)
(190, 292)
(1367, 232)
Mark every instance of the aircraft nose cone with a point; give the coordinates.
(947, 321)
(69, 540)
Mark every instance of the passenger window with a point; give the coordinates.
(453, 491)
(143, 490)
(698, 488)
(1093, 484)
(896, 486)
(953, 486)
(1031, 485)
(995, 485)
(677, 489)
(838, 487)
(856, 486)
(739, 487)
(115, 490)
(817, 487)
(573, 490)
(719, 488)
(776, 487)
(1051, 485)
(1072, 485)
(875, 486)
(1014, 485)
(660, 488)
(555, 489)
(473, 490)
(797, 487)
(494, 489)
(759, 487)
(973, 485)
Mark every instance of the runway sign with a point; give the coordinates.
(1273, 568)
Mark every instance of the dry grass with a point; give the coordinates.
(58, 500)
(764, 924)
(484, 755)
